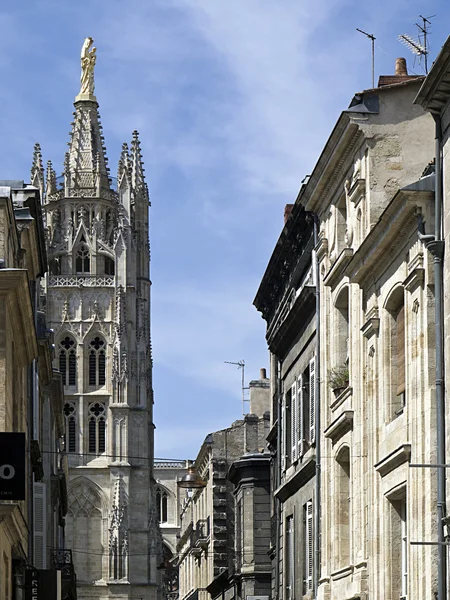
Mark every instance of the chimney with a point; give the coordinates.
(287, 211)
(400, 67)
(262, 374)
(259, 394)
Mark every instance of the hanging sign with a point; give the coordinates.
(12, 466)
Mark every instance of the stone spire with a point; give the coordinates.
(51, 181)
(137, 165)
(124, 167)
(37, 170)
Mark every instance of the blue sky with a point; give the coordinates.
(234, 100)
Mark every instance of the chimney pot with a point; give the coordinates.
(262, 374)
(400, 67)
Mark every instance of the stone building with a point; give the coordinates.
(225, 526)
(98, 304)
(434, 97)
(33, 474)
(287, 301)
(372, 195)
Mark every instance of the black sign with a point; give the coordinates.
(12, 466)
(42, 584)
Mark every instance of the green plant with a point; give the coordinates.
(338, 377)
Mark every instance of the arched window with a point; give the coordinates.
(161, 504)
(97, 428)
(71, 427)
(109, 266)
(68, 360)
(82, 259)
(97, 362)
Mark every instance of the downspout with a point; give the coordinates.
(316, 565)
(435, 245)
(278, 482)
(437, 249)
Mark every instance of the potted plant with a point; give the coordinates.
(338, 378)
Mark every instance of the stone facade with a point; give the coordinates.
(98, 304)
(225, 526)
(372, 195)
(287, 300)
(31, 397)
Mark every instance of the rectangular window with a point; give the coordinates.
(286, 432)
(289, 558)
(404, 552)
(295, 419)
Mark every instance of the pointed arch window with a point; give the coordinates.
(109, 266)
(97, 428)
(83, 259)
(161, 504)
(97, 362)
(71, 427)
(67, 357)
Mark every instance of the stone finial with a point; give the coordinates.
(137, 165)
(51, 180)
(37, 170)
(400, 67)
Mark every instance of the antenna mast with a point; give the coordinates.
(419, 47)
(240, 365)
(372, 38)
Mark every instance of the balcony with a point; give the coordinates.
(81, 281)
(62, 561)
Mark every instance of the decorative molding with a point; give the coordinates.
(339, 426)
(336, 271)
(396, 458)
(372, 324)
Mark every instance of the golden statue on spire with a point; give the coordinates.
(88, 58)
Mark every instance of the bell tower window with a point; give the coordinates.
(97, 362)
(83, 259)
(97, 428)
(68, 360)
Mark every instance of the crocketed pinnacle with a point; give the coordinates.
(37, 169)
(137, 165)
(124, 167)
(51, 187)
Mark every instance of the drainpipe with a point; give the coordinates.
(435, 245)
(278, 481)
(437, 249)
(316, 565)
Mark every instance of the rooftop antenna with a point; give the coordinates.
(372, 38)
(240, 365)
(419, 47)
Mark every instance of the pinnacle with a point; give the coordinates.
(51, 179)
(37, 166)
(137, 165)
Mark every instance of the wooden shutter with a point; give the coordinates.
(309, 555)
(301, 416)
(400, 327)
(294, 422)
(312, 400)
(40, 526)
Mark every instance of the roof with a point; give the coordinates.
(435, 91)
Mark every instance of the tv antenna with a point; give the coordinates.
(372, 38)
(240, 365)
(419, 47)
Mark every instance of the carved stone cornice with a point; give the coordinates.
(342, 424)
(396, 458)
(336, 272)
(372, 323)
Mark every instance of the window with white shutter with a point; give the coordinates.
(294, 423)
(40, 526)
(404, 557)
(283, 437)
(289, 558)
(301, 416)
(308, 552)
(312, 400)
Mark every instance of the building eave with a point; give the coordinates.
(434, 93)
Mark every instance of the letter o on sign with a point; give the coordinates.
(7, 472)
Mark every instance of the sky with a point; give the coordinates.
(233, 100)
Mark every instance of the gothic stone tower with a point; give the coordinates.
(98, 303)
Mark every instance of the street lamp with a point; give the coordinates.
(191, 480)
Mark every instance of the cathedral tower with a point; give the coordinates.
(98, 303)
